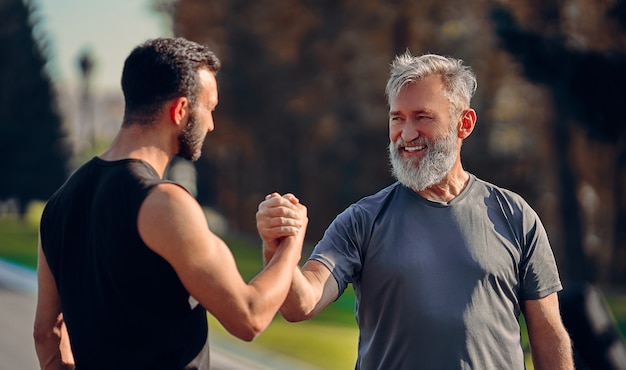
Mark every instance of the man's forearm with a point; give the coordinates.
(296, 306)
(53, 348)
(50, 356)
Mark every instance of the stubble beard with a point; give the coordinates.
(420, 174)
(190, 140)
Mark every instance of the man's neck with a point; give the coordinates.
(138, 143)
(449, 188)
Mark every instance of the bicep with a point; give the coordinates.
(549, 342)
(173, 225)
(542, 314)
(550, 345)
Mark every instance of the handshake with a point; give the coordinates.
(281, 218)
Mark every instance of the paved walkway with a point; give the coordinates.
(17, 311)
(18, 289)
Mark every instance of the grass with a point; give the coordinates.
(317, 343)
(329, 338)
(18, 238)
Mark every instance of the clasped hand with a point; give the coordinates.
(280, 216)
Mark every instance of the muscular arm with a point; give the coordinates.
(550, 344)
(172, 224)
(313, 286)
(50, 333)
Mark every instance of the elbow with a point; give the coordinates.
(247, 330)
(244, 321)
(292, 315)
(247, 334)
(46, 347)
(252, 329)
(42, 336)
(293, 318)
(301, 308)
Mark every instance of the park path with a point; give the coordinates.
(18, 289)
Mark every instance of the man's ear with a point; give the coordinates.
(178, 109)
(467, 122)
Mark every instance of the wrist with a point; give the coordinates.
(269, 249)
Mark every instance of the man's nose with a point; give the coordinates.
(410, 131)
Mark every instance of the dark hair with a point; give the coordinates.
(162, 69)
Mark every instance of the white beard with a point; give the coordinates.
(419, 174)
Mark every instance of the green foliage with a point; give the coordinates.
(18, 236)
(18, 241)
(617, 304)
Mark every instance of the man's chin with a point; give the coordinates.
(417, 180)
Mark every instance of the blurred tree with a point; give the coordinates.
(278, 122)
(577, 49)
(302, 105)
(32, 144)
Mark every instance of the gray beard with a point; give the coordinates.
(419, 174)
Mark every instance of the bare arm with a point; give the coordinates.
(550, 344)
(50, 333)
(313, 287)
(172, 224)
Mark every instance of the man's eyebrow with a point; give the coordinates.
(414, 112)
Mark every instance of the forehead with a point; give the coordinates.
(426, 92)
(208, 86)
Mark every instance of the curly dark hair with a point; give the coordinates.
(162, 69)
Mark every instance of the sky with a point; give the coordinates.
(109, 28)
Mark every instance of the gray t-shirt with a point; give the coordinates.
(439, 285)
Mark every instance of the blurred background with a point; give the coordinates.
(302, 107)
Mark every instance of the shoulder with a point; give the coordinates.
(504, 197)
(169, 215)
(512, 207)
(169, 196)
(168, 206)
(365, 211)
(380, 199)
(76, 188)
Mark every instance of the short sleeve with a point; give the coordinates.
(539, 274)
(340, 249)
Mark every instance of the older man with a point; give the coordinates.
(442, 263)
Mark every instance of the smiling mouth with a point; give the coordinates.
(414, 148)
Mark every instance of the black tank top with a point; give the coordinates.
(124, 306)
